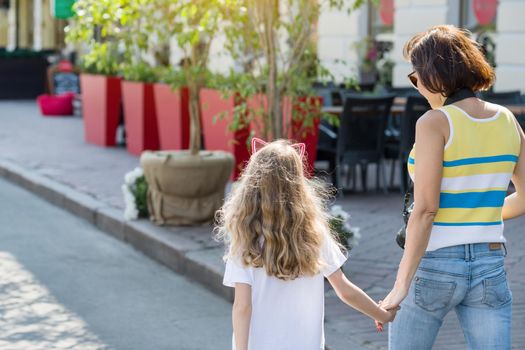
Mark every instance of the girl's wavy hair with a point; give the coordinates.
(275, 217)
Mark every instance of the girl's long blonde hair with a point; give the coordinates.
(275, 217)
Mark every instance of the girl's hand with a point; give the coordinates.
(391, 303)
(389, 315)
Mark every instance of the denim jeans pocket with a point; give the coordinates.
(433, 295)
(496, 291)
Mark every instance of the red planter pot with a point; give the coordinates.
(216, 135)
(173, 117)
(101, 98)
(140, 117)
(308, 135)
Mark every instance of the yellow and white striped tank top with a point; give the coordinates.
(479, 159)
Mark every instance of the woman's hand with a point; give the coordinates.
(392, 302)
(394, 298)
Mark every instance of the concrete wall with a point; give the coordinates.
(510, 46)
(49, 25)
(411, 17)
(337, 34)
(3, 28)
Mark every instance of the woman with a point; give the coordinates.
(467, 152)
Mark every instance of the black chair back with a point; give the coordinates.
(326, 94)
(330, 94)
(502, 98)
(361, 133)
(403, 91)
(415, 108)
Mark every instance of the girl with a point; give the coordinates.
(468, 150)
(279, 250)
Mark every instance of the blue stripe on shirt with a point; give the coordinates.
(488, 199)
(494, 223)
(477, 160)
(481, 160)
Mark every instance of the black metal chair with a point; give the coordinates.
(415, 108)
(327, 146)
(502, 98)
(394, 122)
(403, 91)
(361, 136)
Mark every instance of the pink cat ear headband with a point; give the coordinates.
(257, 144)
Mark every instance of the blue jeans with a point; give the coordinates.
(470, 279)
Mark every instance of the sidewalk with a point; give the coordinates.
(49, 157)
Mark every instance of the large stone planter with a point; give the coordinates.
(185, 189)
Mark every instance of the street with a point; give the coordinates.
(66, 285)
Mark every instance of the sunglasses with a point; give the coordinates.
(413, 79)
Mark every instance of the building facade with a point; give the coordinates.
(499, 23)
(30, 24)
(350, 45)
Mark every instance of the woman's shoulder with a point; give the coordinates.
(434, 118)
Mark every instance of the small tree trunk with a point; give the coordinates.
(274, 103)
(195, 122)
(271, 15)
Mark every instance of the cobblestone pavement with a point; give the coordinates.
(55, 148)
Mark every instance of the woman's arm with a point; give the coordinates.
(431, 134)
(359, 300)
(241, 315)
(515, 203)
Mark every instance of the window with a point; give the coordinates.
(381, 17)
(478, 15)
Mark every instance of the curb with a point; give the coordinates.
(165, 245)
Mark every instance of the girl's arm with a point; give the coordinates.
(431, 129)
(241, 315)
(359, 300)
(515, 203)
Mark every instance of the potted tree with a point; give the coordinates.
(139, 74)
(96, 28)
(155, 116)
(187, 186)
(276, 84)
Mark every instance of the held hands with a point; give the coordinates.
(391, 305)
(389, 315)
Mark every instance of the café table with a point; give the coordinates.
(398, 107)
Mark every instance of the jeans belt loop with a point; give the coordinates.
(467, 252)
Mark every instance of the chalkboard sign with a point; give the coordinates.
(65, 82)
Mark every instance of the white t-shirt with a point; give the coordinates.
(286, 315)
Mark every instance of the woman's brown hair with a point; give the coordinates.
(447, 59)
(275, 216)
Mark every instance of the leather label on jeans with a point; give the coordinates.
(494, 246)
